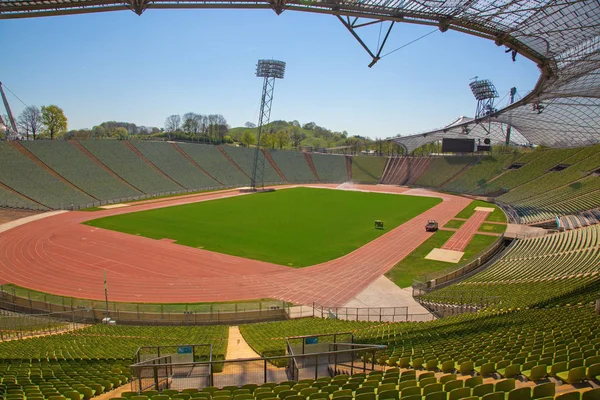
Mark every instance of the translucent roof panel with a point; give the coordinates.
(561, 36)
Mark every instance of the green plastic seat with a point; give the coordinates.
(342, 393)
(536, 373)
(437, 396)
(364, 390)
(569, 396)
(246, 396)
(413, 397)
(318, 396)
(411, 391)
(459, 393)
(451, 385)
(266, 395)
(160, 397)
(573, 375)
(170, 392)
(447, 378)
(547, 389)
(432, 388)
(286, 393)
(505, 385)
(473, 381)
(593, 394)
(483, 389)
(389, 394)
(366, 396)
(523, 393)
(427, 381)
(593, 371)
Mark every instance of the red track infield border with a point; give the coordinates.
(60, 255)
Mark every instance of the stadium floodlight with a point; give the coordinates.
(483, 89)
(269, 70)
(484, 92)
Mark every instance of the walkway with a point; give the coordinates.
(464, 234)
(237, 347)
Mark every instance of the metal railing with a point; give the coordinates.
(159, 373)
(18, 326)
(371, 314)
(21, 300)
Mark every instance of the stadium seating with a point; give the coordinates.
(293, 165)
(574, 198)
(24, 176)
(405, 170)
(330, 168)
(244, 158)
(532, 271)
(212, 161)
(116, 156)
(443, 169)
(580, 165)
(73, 165)
(479, 174)
(11, 199)
(367, 169)
(536, 164)
(172, 163)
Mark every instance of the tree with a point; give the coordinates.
(30, 121)
(54, 120)
(248, 138)
(297, 136)
(268, 140)
(172, 123)
(309, 126)
(282, 138)
(250, 125)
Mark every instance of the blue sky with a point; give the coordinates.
(120, 66)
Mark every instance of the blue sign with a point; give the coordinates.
(184, 350)
(311, 340)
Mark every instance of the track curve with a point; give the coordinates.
(59, 255)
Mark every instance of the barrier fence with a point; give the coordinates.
(18, 326)
(23, 301)
(372, 314)
(164, 372)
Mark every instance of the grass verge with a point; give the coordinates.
(496, 216)
(415, 265)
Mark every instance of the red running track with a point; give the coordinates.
(59, 255)
(464, 234)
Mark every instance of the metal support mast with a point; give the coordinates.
(513, 92)
(11, 118)
(269, 70)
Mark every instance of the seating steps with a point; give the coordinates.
(138, 153)
(194, 163)
(268, 157)
(311, 165)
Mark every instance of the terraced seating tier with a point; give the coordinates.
(581, 164)
(172, 163)
(330, 168)
(24, 176)
(479, 174)
(293, 165)
(116, 156)
(532, 271)
(212, 161)
(442, 169)
(544, 160)
(367, 169)
(244, 158)
(11, 199)
(80, 170)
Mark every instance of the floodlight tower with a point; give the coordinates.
(485, 93)
(269, 70)
(11, 118)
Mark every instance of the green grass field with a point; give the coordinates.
(294, 227)
(415, 265)
(496, 216)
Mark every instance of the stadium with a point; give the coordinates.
(174, 270)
